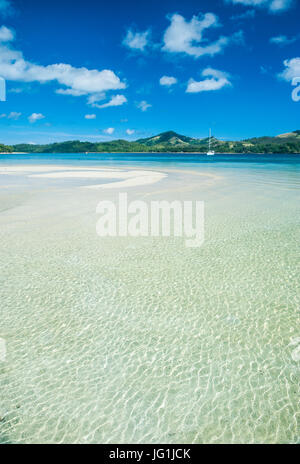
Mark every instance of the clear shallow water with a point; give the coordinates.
(143, 340)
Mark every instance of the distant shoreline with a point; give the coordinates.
(167, 142)
(143, 153)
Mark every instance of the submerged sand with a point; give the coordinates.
(142, 340)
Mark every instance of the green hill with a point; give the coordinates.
(168, 142)
(167, 138)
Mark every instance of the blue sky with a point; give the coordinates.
(98, 70)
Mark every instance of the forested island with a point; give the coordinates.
(168, 142)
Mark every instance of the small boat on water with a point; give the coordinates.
(210, 151)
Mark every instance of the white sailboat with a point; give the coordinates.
(210, 152)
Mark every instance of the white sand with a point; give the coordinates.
(48, 168)
(97, 174)
(131, 178)
(133, 182)
(127, 178)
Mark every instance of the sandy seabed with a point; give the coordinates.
(142, 340)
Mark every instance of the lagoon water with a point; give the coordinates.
(142, 340)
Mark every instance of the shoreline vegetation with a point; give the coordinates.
(168, 142)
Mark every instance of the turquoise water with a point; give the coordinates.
(142, 340)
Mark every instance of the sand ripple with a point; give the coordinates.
(143, 340)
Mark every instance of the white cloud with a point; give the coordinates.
(218, 80)
(167, 80)
(16, 90)
(264, 70)
(187, 36)
(14, 115)
(245, 15)
(90, 116)
(292, 69)
(76, 81)
(6, 35)
(109, 130)
(35, 117)
(130, 131)
(283, 40)
(6, 7)
(72, 92)
(280, 5)
(95, 98)
(136, 40)
(273, 5)
(116, 100)
(143, 105)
